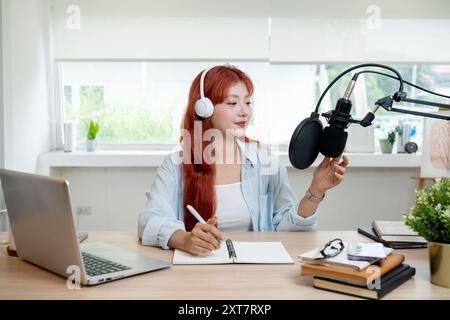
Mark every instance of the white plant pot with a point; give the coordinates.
(91, 145)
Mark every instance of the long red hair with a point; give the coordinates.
(199, 176)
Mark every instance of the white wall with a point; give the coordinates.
(25, 66)
(116, 196)
(366, 194)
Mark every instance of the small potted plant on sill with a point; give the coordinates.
(387, 144)
(430, 217)
(91, 143)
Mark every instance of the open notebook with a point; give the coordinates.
(238, 252)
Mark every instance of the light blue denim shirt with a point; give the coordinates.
(265, 187)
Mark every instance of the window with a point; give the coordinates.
(142, 103)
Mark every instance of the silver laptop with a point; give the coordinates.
(44, 233)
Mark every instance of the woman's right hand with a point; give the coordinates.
(203, 238)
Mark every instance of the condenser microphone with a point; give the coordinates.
(309, 138)
(334, 137)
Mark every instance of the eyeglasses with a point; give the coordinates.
(331, 249)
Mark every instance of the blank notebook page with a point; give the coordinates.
(261, 252)
(216, 257)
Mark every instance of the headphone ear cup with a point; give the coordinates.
(204, 108)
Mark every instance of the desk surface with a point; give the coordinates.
(22, 280)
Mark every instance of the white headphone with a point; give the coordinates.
(204, 107)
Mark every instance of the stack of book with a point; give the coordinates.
(367, 279)
(393, 234)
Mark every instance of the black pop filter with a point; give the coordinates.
(305, 142)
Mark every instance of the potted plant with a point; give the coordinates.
(386, 144)
(91, 143)
(430, 217)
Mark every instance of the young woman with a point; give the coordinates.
(224, 175)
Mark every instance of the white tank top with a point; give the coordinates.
(232, 211)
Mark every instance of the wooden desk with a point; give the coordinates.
(22, 280)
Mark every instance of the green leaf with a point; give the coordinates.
(431, 215)
(93, 130)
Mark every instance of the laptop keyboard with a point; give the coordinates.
(96, 266)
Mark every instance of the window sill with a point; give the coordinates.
(113, 158)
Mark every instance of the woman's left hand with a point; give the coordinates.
(328, 174)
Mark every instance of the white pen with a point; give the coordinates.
(195, 214)
(198, 216)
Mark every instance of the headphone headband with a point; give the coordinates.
(202, 82)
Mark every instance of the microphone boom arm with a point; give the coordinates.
(426, 103)
(387, 102)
